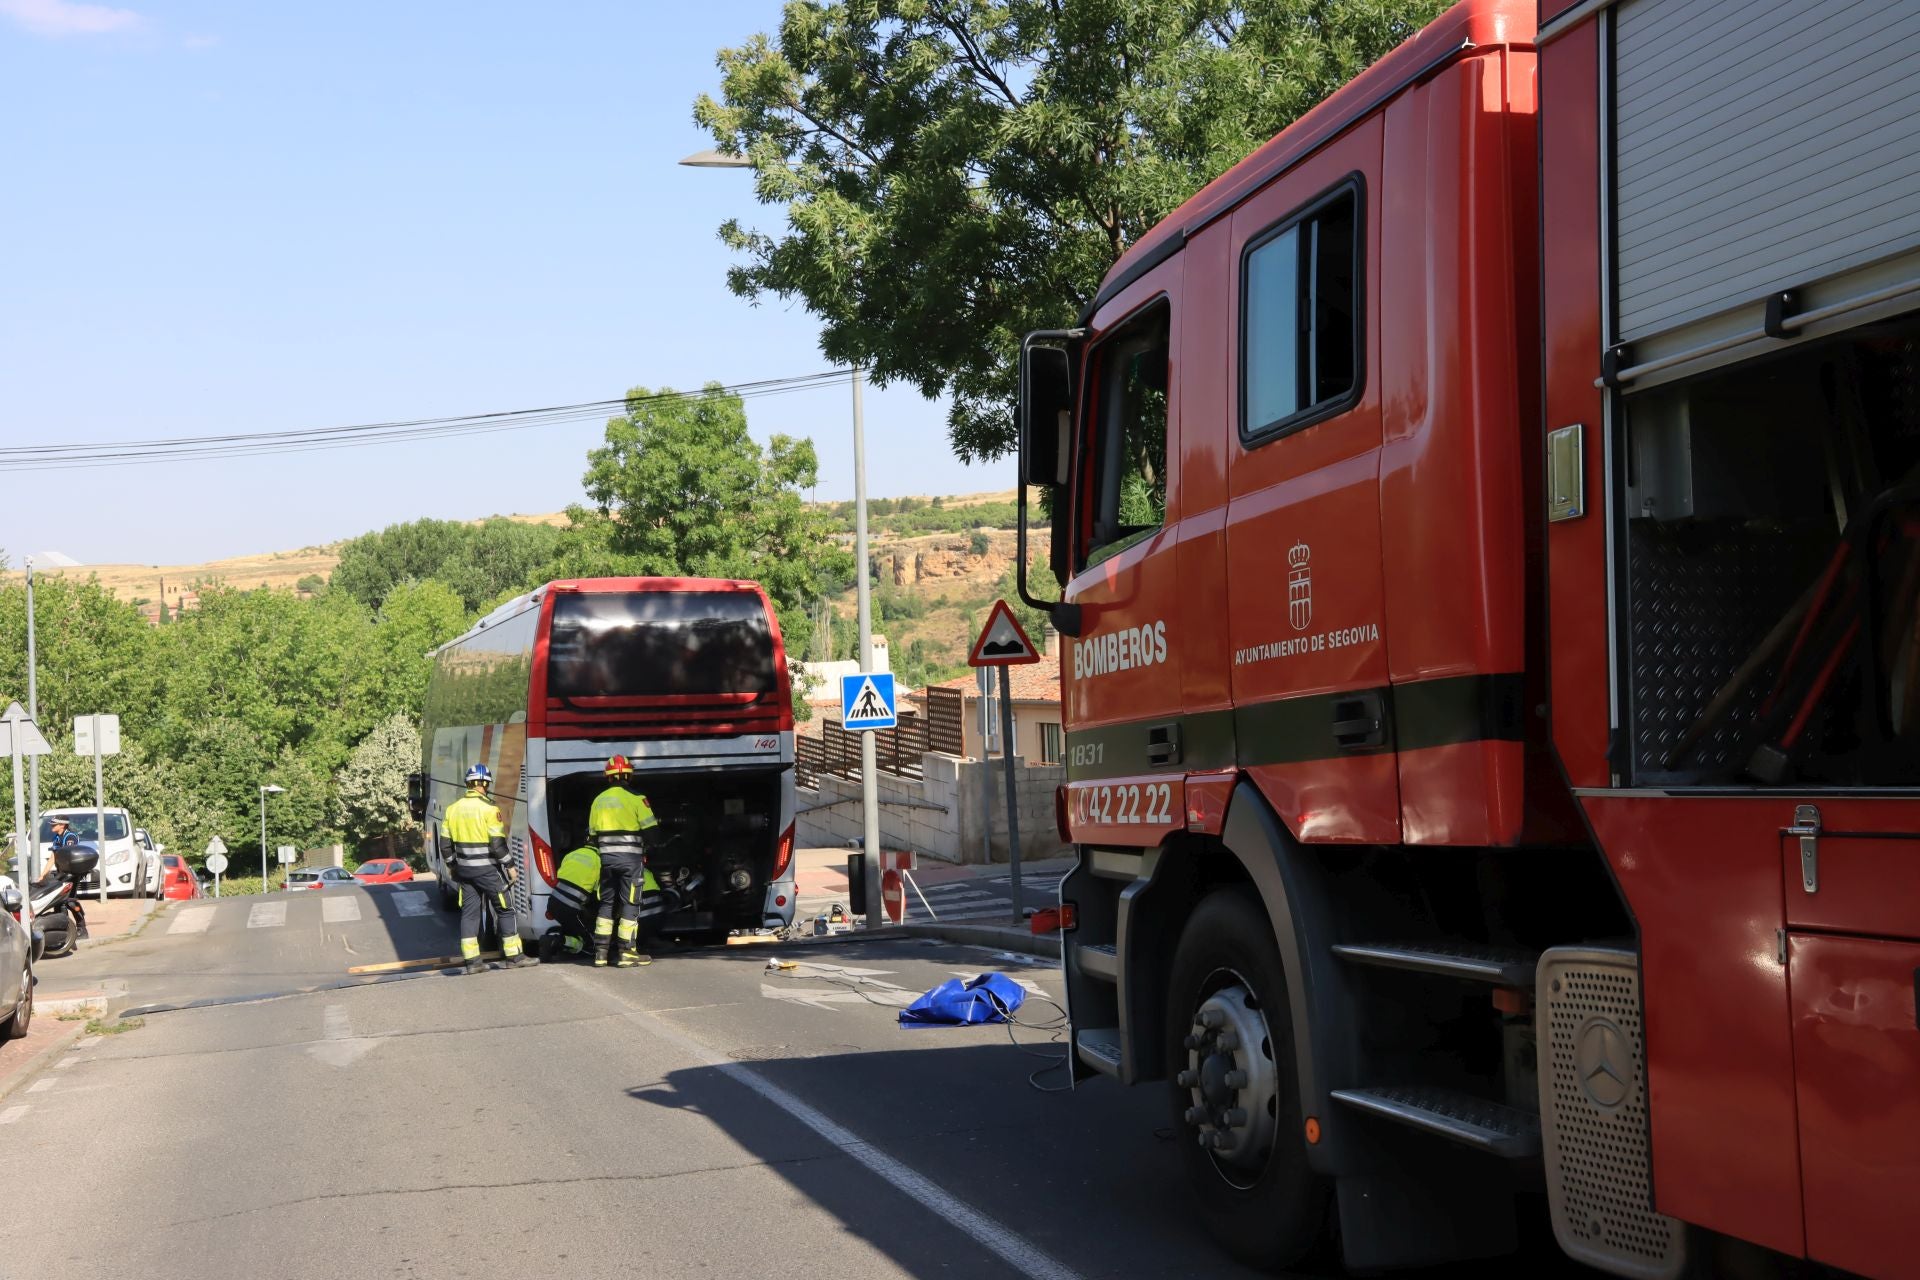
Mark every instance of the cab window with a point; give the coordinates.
(1300, 318)
(1129, 455)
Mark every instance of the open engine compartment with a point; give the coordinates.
(720, 825)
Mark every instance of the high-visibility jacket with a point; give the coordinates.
(616, 820)
(577, 883)
(474, 827)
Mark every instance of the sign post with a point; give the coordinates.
(99, 736)
(216, 861)
(22, 739)
(867, 704)
(1003, 643)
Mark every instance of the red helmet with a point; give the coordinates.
(617, 767)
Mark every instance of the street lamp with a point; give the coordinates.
(869, 784)
(267, 789)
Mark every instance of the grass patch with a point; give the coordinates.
(97, 1027)
(72, 1017)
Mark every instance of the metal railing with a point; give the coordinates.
(897, 751)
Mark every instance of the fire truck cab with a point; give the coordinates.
(1487, 522)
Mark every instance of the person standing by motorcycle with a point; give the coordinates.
(480, 866)
(616, 825)
(60, 836)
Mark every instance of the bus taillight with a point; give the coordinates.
(784, 857)
(542, 857)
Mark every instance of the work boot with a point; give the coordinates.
(475, 965)
(630, 959)
(549, 946)
(522, 961)
(600, 956)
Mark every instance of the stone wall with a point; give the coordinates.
(951, 833)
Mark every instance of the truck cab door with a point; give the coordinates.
(1121, 674)
(1313, 714)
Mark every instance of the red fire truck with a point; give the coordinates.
(1488, 523)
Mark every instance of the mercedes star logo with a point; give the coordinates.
(1604, 1061)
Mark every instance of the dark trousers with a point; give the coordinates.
(488, 881)
(621, 875)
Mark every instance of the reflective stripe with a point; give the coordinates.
(629, 929)
(510, 945)
(570, 895)
(603, 927)
(472, 855)
(621, 842)
(470, 948)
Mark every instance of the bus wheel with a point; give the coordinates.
(1233, 1088)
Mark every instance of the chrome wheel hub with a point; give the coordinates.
(1232, 1083)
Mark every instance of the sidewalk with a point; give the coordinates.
(970, 904)
(56, 993)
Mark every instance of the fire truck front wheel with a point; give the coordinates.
(1233, 1086)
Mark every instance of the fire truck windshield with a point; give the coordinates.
(659, 643)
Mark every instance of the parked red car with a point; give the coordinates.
(384, 871)
(177, 881)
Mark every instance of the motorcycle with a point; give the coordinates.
(57, 910)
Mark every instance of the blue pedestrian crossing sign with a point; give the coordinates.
(866, 701)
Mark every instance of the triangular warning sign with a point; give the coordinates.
(1002, 642)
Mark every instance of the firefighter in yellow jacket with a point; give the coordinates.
(617, 825)
(479, 839)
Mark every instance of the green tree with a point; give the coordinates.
(955, 173)
(680, 487)
(370, 790)
(482, 562)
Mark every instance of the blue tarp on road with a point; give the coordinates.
(991, 997)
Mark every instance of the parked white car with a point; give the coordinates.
(129, 859)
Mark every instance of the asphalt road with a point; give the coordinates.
(700, 1116)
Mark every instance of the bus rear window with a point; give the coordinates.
(658, 643)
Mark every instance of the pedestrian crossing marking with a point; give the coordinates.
(192, 920)
(866, 701)
(340, 910)
(267, 915)
(412, 902)
(13, 1113)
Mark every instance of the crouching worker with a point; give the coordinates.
(574, 904)
(617, 824)
(479, 839)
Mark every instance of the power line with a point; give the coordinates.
(121, 453)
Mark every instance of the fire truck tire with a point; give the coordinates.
(1233, 1086)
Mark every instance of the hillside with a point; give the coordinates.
(941, 560)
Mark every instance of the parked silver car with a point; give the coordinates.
(16, 963)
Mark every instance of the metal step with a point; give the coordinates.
(1099, 1048)
(1475, 1122)
(1476, 961)
(1099, 960)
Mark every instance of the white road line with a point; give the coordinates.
(13, 1113)
(47, 1082)
(192, 920)
(412, 902)
(267, 915)
(64, 1062)
(995, 1237)
(340, 910)
(953, 886)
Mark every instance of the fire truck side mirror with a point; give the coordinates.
(417, 796)
(1046, 415)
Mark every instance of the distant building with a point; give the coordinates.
(822, 679)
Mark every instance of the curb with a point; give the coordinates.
(32, 1067)
(995, 937)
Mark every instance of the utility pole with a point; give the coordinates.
(33, 762)
(869, 764)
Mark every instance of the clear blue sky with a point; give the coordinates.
(235, 216)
